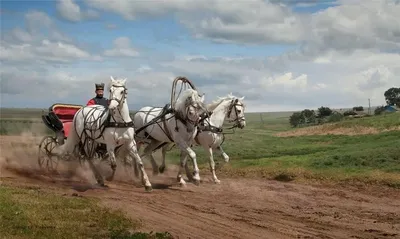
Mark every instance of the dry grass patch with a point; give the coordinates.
(332, 129)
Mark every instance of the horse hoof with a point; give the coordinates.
(148, 188)
(161, 169)
(182, 185)
(217, 181)
(100, 185)
(196, 182)
(109, 178)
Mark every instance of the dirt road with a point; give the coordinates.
(238, 208)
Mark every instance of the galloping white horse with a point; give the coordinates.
(112, 126)
(210, 135)
(156, 125)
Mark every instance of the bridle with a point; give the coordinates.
(198, 105)
(238, 119)
(120, 102)
(123, 97)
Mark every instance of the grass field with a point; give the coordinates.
(28, 212)
(365, 150)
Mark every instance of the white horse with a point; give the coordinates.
(156, 125)
(210, 134)
(113, 126)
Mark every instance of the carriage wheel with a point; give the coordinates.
(46, 158)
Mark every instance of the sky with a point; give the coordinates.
(281, 55)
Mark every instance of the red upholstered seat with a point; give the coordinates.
(67, 126)
(66, 114)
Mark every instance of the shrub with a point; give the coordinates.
(379, 110)
(335, 117)
(349, 112)
(358, 108)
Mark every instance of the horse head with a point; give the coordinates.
(235, 112)
(118, 92)
(190, 105)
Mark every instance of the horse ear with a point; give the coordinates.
(124, 81)
(112, 78)
(202, 98)
(241, 98)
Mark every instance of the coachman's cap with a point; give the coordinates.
(100, 86)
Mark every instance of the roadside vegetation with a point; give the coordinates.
(29, 212)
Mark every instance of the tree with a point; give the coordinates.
(358, 108)
(296, 118)
(392, 96)
(324, 112)
(309, 116)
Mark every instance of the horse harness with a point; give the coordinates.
(162, 116)
(219, 130)
(107, 123)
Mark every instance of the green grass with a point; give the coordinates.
(27, 212)
(256, 152)
(383, 121)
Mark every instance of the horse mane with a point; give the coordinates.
(215, 103)
(180, 104)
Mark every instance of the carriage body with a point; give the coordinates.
(59, 119)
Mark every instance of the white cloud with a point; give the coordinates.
(253, 21)
(71, 11)
(46, 51)
(40, 42)
(122, 47)
(350, 25)
(346, 55)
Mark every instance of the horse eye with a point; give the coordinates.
(122, 92)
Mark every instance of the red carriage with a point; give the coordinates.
(59, 119)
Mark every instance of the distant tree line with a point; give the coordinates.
(310, 117)
(325, 114)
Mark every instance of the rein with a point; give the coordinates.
(220, 130)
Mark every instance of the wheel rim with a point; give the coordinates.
(46, 158)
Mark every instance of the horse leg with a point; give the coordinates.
(96, 173)
(188, 150)
(209, 151)
(133, 152)
(224, 155)
(113, 160)
(189, 175)
(163, 153)
(183, 159)
(134, 165)
(149, 151)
